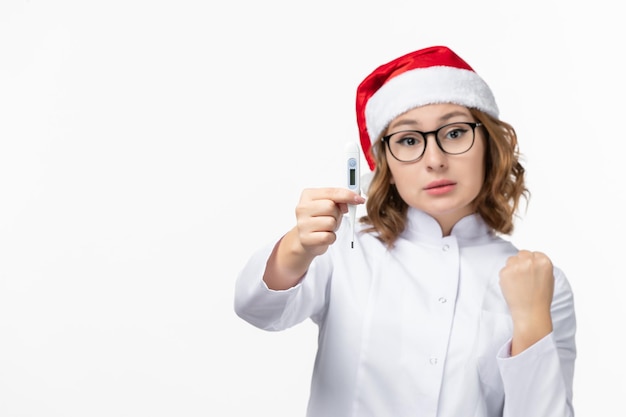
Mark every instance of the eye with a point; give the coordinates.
(407, 139)
(455, 132)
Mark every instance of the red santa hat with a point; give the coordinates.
(427, 76)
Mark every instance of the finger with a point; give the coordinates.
(316, 208)
(337, 195)
(343, 207)
(324, 223)
(520, 258)
(319, 239)
(541, 261)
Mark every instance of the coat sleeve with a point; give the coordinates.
(278, 310)
(538, 382)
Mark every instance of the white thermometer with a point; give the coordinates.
(353, 173)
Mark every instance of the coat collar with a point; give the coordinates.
(423, 227)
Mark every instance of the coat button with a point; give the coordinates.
(433, 360)
(445, 247)
(443, 300)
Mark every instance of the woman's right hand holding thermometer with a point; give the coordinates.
(318, 216)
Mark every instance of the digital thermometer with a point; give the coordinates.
(353, 174)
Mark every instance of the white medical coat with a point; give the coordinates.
(419, 330)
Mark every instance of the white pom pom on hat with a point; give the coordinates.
(428, 76)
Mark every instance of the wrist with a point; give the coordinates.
(528, 331)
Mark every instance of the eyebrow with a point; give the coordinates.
(413, 122)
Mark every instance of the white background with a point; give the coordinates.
(148, 147)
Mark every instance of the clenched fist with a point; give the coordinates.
(527, 282)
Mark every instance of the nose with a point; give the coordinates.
(434, 157)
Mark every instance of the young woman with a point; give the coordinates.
(431, 312)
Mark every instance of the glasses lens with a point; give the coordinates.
(407, 146)
(456, 138)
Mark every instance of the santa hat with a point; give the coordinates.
(427, 76)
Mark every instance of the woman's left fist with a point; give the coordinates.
(527, 282)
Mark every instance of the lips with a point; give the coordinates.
(439, 184)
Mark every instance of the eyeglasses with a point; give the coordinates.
(410, 145)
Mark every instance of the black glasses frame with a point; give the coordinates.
(473, 125)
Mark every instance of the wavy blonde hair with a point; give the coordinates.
(497, 202)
